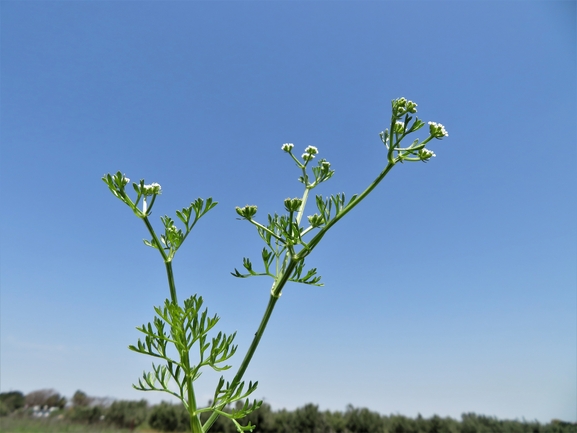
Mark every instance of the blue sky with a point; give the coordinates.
(451, 289)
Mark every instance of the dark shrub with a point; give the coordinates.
(363, 421)
(86, 414)
(168, 417)
(11, 401)
(309, 419)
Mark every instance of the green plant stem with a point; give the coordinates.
(155, 238)
(171, 284)
(303, 205)
(283, 278)
(195, 425)
(277, 288)
(167, 261)
(317, 238)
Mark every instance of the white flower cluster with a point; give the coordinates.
(287, 147)
(437, 130)
(152, 189)
(310, 153)
(426, 154)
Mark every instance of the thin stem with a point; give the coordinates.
(195, 425)
(247, 358)
(260, 226)
(315, 240)
(277, 288)
(303, 205)
(390, 155)
(155, 238)
(167, 261)
(171, 284)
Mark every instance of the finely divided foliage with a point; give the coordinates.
(180, 333)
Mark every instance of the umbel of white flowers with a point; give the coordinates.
(437, 130)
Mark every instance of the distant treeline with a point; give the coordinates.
(166, 417)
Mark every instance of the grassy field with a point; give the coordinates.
(26, 425)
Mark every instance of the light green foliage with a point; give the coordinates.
(183, 330)
(187, 328)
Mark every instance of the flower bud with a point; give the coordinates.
(246, 212)
(399, 127)
(316, 220)
(287, 147)
(401, 106)
(385, 136)
(293, 204)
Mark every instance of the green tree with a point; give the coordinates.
(282, 421)
(337, 422)
(168, 417)
(80, 399)
(127, 414)
(363, 421)
(309, 419)
(401, 424)
(11, 401)
(45, 397)
(86, 414)
(442, 425)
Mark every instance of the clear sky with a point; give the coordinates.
(451, 289)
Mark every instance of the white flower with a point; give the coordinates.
(426, 154)
(311, 150)
(287, 147)
(307, 156)
(172, 229)
(152, 189)
(437, 130)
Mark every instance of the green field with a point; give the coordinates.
(26, 425)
